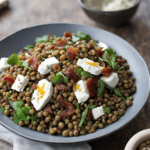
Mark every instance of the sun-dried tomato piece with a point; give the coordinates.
(120, 61)
(71, 74)
(69, 107)
(107, 71)
(61, 43)
(90, 115)
(90, 46)
(9, 78)
(22, 57)
(99, 52)
(92, 86)
(34, 87)
(71, 52)
(52, 47)
(56, 67)
(61, 86)
(34, 63)
(48, 109)
(67, 34)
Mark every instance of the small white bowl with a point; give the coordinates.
(138, 139)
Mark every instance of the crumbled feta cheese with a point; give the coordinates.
(81, 93)
(111, 81)
(42, 94)
(97, 112)
(3, 64)
(103, 46)
(20, 83)
(46, 65)
(90, 66)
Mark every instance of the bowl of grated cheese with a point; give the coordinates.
(110, 12)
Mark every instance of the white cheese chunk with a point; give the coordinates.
(112, 80)
(3, 64)
(90, 66)
(20, 83)
(98, 112)
(46, 65)
(103, 46)
(81, 93)
(27, 55)
(42, 95)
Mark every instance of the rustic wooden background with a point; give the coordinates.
(23, 13)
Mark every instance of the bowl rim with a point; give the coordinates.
(116, 11)
(96, 137)
(137, 139)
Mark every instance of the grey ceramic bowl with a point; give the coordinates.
(112, 18)
(16, 41)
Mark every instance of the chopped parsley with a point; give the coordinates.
(42, 39)
(75, 39)
(28, 47)
(106, 110)
(101, 87)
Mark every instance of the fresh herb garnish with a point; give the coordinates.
(31, 91)
(101, 87)
(42, 39)
(94, 45)
(55, 37)
(85, 44)
(78, 106)
(117, 92)
(106, 110)
(28, 47)
(83, 36)
(92, 106)
(23, 63)
(59, 78)
(13, 60)
(83, 116)
(33, 118)
(85, 122)
(3, 109)
(75, 39)
(111, 61)
(7, 107)
(84, 73)
(80, 51)
(10, 97)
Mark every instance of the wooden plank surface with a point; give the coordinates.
(23, 13)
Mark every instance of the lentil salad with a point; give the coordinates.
(64, 114)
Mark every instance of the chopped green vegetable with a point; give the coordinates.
(86, 74)
(28, 47)
(7, 107)
(80, 51)
(92, 106)
(56, 56)
(85, 44)
(101, 87)
(13, 60)
(31, 91)
(10, 97)
(43, 58)
(55, 37)
(111, 62)
(65, 48)
(117, 92)
(78, 106)
(128, 98)
(109, 88)
(10, 92)
(42, 39)
(75, 39)
(83, 36)
(84, 113)
(67, 60)
(51, 51)
(3, 109)
(59, 78)
(106, 110)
